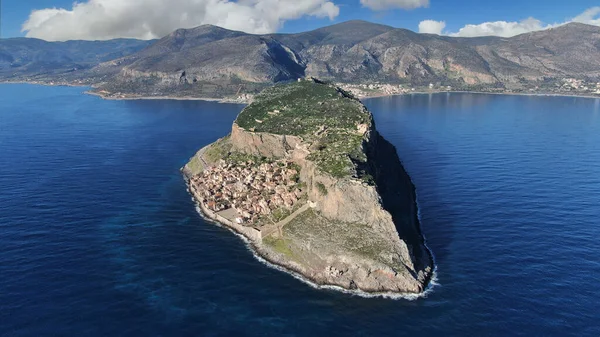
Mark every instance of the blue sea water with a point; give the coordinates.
(98, 236)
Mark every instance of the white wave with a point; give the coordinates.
(389, 295)
(433, 282)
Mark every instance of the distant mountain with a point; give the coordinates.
(572, 50)
(212, 61)
(23, 58)
(359, 51)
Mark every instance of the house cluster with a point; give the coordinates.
(242, 98)
(364, 90)
(251, 190)
(572, 84)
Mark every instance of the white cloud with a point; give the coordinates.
(380, 5)
(148, 19)
(590, 16)
(432, 27)
(500, 28)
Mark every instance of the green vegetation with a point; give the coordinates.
(279, 245)
(238, 157)
(151, 86)
(280, 214)
(331, 236)
(195, 165)
(218, 150)
(303, 108)
(296, 177)
(322, 189)
(368, 179)
(323, 115)
(222, 149)
(336, 151)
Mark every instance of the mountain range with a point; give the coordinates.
(26, 58)
(213, 61)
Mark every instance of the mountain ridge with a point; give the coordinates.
(30, 59)
(210, 61)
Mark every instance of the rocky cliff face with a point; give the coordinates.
(209, 61)
(350, 201)
(358, 51)
(360, 235)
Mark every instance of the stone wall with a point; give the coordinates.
(253, 234)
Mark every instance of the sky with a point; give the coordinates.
(59, 20)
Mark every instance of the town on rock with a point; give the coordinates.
(252, 190)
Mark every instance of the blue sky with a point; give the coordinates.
(455, 13)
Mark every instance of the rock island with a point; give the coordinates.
(307, 179)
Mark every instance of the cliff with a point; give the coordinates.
(213, 62)
(357, 226)
(355, 52)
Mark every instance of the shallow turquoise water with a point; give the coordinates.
(99, 237)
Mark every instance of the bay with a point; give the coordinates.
(98, 235)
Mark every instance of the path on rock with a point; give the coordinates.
(201, 156)
(292, 216)
(278, 227)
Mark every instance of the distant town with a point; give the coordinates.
(562, 86)
(565, 86)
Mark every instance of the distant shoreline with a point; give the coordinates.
(46, 84)
(169, 98)
(479, 92)
(528, 94)
(234, 101)
(132, 98)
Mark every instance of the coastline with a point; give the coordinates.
(527, 94)
(236, 101)
(253, 241)
(263, 256)
(170, 98)
(133, 98)
(263, 253)
(300, 277)
(72, 85)
(479, 92)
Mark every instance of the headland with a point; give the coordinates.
(306, 178)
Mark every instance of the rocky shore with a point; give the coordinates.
(356, 226)
(242, 99)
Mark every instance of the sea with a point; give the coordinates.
(99, 237)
